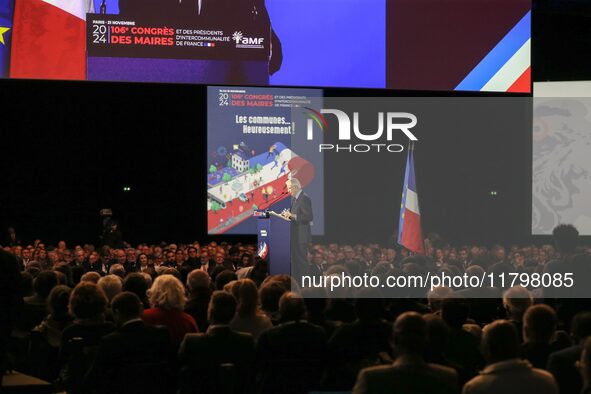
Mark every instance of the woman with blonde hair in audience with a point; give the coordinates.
(167, 301)
(249, 318)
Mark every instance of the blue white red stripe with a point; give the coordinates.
(410, 234)
(506, 63)
(263, 250)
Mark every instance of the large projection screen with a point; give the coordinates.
(252, 151)
(443, 45)
(561, 156)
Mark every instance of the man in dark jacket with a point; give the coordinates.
(301, 217)
(292, 354)
(203, 357)
(136, 357)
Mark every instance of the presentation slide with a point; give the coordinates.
(561, 163)
(251, 145)
(396, 44)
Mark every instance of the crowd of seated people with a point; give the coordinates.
(208, 318)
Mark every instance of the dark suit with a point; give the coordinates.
(463, 349)
(354, 346)
(202, 357)
(131, 266)
(291, 358)
(562, 365)
(97, 267)
(197, 306)
(538, 353)
(484, 302)
(136, 350)
(407, 379)
(301, 234)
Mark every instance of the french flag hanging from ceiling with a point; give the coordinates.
(410, 234)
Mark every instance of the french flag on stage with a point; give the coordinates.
(410, 234)
(49, 39)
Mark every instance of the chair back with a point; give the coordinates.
(211, 379)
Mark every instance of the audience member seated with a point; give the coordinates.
(464, 347)
(148, 278)
(88, 305)
(516, 301)
(484, 302)
(539, 328)
(316, 302)
(90, 276)
(223, 278)
(66, 270)
(291, 355)
(143, 264)
(46, 337)
(35, 307)
(584, 366)
(409, 374)
(59, 316)
(436, 296)
(258, 274)
(136, 283)
(117, 269)
(562, 363)
(339, 308)
(505, 372)
(249, 318)
(167, 300)
(221, 359)
(270, 294)
(452, 340)
(360, 344)
(26, 284)
(172, 271)
(111, 286)
(136, 358)
(94, 264)
(437, 345)
(199, 288)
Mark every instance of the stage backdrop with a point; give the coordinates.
(397, 44)
(561, 163)
(251, 154)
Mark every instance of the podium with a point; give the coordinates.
(274, 245)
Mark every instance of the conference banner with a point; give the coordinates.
(392, 44)
(251, 155)
(115, 36)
